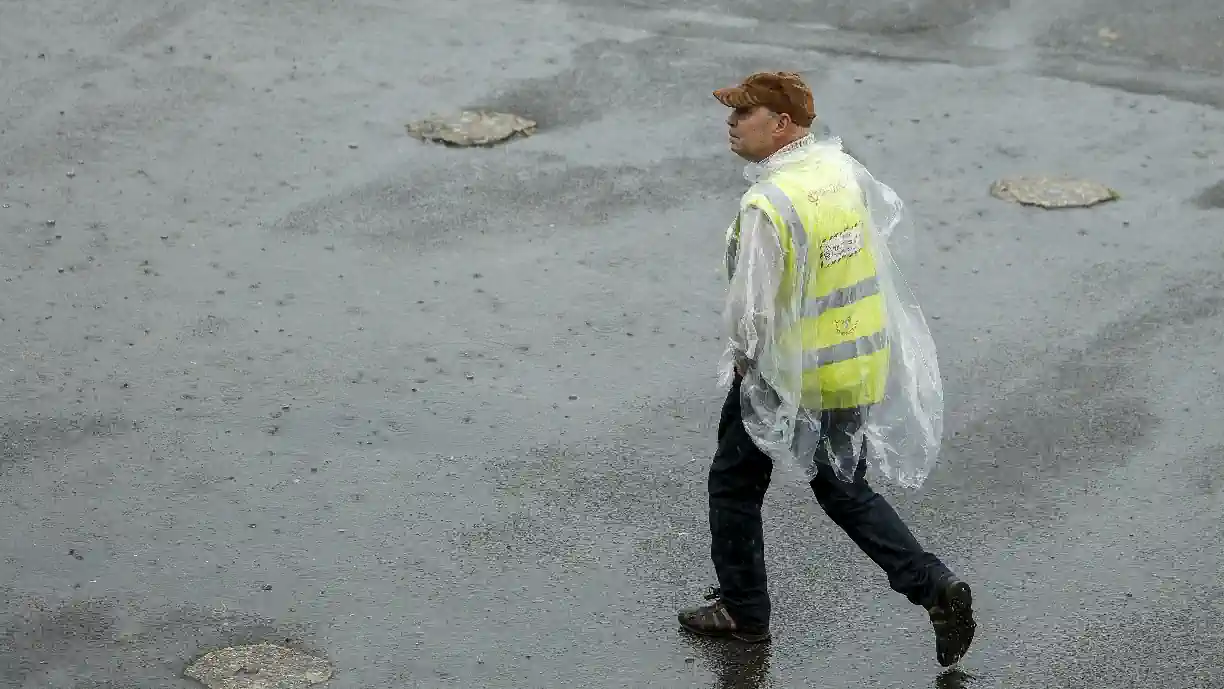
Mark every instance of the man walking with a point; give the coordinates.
(811, 340)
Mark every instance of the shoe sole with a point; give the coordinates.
(952, 647)
(738, 636)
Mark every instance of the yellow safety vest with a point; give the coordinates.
(819, 211)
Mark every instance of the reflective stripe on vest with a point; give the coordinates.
(844, 351)
(733, 236)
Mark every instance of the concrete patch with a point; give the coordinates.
(1052, 192)
(472, 128)
(259, 666)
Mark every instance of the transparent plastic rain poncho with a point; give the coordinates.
(904, 431)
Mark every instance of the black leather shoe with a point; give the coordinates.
(952, 618)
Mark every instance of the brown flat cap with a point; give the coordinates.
(782, 92)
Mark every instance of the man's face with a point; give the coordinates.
(753, 132)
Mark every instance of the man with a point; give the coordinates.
(810, 342)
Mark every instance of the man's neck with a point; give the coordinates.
(795, 142)
(755, 170)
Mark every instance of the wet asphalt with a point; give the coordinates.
(273, 370)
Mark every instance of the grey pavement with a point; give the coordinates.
(273, 370)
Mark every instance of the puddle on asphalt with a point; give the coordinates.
(1212, 197)
(735, 665)
(747, 666)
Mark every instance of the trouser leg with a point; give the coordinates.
(867, 517)
(739, 478)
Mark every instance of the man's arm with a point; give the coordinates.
(749, 313)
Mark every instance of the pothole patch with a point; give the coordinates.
(472, 128)
(1052, 192)
(259, 666)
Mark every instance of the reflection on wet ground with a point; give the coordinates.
(736, 665)
(954, 678)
